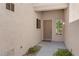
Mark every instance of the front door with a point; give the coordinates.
(47, 30)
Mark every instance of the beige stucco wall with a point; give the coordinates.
(7, 30)
(66, 33)
(72, 29)
(18, 29)
(53, 15)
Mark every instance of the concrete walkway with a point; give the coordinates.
(49, 48)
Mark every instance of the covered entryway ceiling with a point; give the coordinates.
(49, 6)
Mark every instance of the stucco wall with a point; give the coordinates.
(7, 30)
(72, 29)
(53, 15)
(66, 33)
(18, 29)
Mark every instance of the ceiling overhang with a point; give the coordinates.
(51, 6)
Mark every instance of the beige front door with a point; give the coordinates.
(47, 29)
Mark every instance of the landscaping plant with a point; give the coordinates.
(32, 51)
(62, 52)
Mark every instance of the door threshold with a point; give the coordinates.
(46, 40)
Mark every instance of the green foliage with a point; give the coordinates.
(59, 26)
(33, 50)
(63, 52)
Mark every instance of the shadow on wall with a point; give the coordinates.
(74, 37)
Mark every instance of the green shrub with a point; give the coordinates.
(63, 52)
(33, 50)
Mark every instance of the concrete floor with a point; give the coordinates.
(49, 48)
